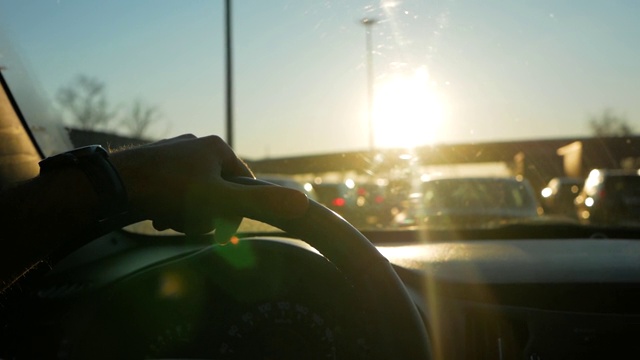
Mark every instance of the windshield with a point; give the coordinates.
(361, 104)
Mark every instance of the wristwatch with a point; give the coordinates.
(93, 160)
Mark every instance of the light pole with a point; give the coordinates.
(368, 23)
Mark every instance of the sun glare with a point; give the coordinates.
(407, 111)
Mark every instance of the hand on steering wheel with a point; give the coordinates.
(179, 183)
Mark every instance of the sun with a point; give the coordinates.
(408, 111)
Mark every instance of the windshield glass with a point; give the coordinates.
(361, 104)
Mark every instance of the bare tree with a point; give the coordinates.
(610, 124)
(85, 100)
(140, 118)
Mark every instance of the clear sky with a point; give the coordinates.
(444, 71)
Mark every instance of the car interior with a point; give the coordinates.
(320, 287)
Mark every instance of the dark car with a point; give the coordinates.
(338, 197)
(559, 195)
(375, 204)
(470, 202)
(610, 197)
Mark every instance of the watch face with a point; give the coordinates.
(89, 150)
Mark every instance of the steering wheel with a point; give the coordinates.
(393, 323)
(398, 325)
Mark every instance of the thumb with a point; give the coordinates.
(260, 201)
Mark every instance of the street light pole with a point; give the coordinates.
(368, 23)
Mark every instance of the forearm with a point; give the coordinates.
(41, 214)
(57, 209)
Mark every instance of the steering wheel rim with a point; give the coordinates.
(401, 330)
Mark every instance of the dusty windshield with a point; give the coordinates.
(361, 104)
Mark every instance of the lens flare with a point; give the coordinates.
(171, 285)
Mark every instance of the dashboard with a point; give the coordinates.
(533, 299)
(117, 299)
(134, 296)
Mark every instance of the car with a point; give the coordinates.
(362, 204)
(391, 93)
(559, 195)
(339, 197)
(610, 196)
(470, 202)
(376, 204)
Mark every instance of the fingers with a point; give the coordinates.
(248, 200)
(230, 164)
(263, 201)
(206, 154)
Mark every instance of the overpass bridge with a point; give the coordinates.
(536, 160)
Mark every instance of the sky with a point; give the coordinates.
(447, 71)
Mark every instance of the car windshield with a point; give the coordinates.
(361, 104)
